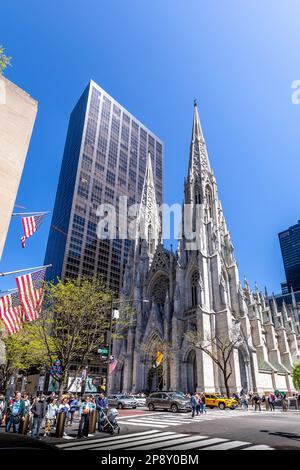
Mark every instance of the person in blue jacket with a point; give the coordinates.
(84, 414)
(102, 407)
(73, 402)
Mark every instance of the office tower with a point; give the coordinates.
(17, 115)
(104, 158)
(290, 248)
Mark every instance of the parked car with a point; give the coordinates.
(122, 401)
(170, 401)
(215, 400)
(141, 401)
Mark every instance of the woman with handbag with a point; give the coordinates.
(84, 414)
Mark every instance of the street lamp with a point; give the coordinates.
(115, 314)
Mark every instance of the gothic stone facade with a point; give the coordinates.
(200, 290)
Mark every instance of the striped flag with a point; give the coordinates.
(112, 365)
(31, 293)
(30, 226)
(11, 313)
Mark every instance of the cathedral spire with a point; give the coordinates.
(199, 164)
(148, 223)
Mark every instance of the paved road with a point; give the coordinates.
(217, 430)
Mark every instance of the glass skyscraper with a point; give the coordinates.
(290, 249)
(104, 158)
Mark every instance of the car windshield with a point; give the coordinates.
(177, 396)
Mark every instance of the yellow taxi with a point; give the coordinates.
(213, 400)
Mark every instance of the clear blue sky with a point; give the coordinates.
(238, 58)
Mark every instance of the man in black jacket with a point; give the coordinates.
(38, 410)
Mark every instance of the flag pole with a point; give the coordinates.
(30, 213)
(26, 269)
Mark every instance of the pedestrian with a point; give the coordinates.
(198, 404)
(73, 402)
(51, 413)
(102, 407)
(202, 404)
(244, 402)
(84, 414)
(194, 404)
(257, 402)
(38, 410)
(271, 401)
(2, 408)
(15, 410)
(284, 402)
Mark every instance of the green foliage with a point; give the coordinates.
(296, 377)
(4, 60)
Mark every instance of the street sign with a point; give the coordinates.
(103, 351)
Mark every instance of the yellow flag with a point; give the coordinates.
(159, 358)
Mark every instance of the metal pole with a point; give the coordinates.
(26, 269)
(109, 341)
(29, 213)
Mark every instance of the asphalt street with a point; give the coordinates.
(217, 430)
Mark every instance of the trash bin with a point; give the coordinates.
(60, 424)
(24, 424)
(93, 422)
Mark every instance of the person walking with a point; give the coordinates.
(257, 402)
(15, 411)
(244, 402)
(2, 408)
(38, 410)
(102, 407)
(73, 402)
(194, 404)
(202, 403)
(84, 415)
(271, 401)
(51, 413)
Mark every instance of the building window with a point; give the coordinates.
(194, 287)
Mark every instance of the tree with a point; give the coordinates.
(219, 349)
(73, 324)
(4, 60)
(296, 376)
(23, 351)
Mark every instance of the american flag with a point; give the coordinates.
(11, 313)
(30, 226)
(31, 293)
(112, 365)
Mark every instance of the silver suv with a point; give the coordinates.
(121, 401)
(172, 401)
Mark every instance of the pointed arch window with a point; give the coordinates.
(150, 240)
(197, 197)
(194, 288)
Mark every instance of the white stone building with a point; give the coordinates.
(199, 289)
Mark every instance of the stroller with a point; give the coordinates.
(108, 422)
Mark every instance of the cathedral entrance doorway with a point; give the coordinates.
(155, 379)
(191, 372)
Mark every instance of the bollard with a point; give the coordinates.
(24, 424)
(60, 424)
(93, 422)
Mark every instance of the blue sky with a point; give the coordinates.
(238, 58)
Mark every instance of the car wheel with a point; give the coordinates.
(222, 406)
(174, 408)
(232, 407)
(151, 407)
(211, 407)
(134, 407)
(120, 406)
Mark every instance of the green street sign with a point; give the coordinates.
(103, 351)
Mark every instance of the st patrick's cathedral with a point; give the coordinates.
(198, 290)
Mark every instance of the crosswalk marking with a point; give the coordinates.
(157, 439)
(137, 423)
(127, 444)
(228, 445)
(259, 447)
(111, 439)
(184, 439)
